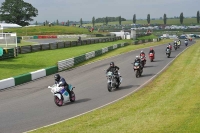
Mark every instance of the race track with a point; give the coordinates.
(31, 105)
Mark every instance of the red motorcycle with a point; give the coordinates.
(151, 56)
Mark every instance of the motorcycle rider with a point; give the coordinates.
(114, 69)
(175, 42)
(179, 42)
(170, 46)
(61, 81)
(142, 54)
(138, 60)
(152, 51)
(168, 49)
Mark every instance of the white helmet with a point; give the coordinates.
(175, 41)
(137, 57)
(141, 51)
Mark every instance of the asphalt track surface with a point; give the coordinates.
(29, 106)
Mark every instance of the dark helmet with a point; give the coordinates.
(112, 64)
(57, 77)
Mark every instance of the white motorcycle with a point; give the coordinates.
(112, 81)
(61, 96)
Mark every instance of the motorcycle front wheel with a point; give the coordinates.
(109, 87)
(137, 74)
(58, 102)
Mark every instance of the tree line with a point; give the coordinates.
(21, 13)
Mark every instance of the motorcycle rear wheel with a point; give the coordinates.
(73, 97)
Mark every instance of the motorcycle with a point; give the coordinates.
(112, 80)
(178, 45)
(175, 46)
(168, 53)
(61, 96)
(151, 56)
(138, 69)
(143, 59)
(186, 43)
(170, 46)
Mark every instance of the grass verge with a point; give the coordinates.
(170, 103)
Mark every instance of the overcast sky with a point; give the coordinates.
(73, 10)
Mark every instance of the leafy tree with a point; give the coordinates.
(93, 21)
(181, 18)
(134, 18)
(57, 22)
(36, 23)
(17, 11)
(68, 22)
(81, 22)
(148, 18)
(120, 20)
(165, 19)
(198, 16)
(106, 20)
(110, 19)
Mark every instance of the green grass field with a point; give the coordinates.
(170, 103)
(45, 30)
(186, 21)
(25, 63)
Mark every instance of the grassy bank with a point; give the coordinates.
(152, 36)
(170, 103)
(45, 30)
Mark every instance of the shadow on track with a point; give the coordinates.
(147, 75)
(126, 87)
(78, 101)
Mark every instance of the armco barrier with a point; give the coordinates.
(22, 78)
(53, 45)
(119, 45)
(38, 74)
(90, 55)
(25, 49)
(64, 64)
(114, 46)
(110, 48)
(45, 46)
(104, 50)
(67, 44)
(79, 59)
(73, 43)
(51, 70)
(60, 44)
(36, 48)
(98, 52)
(5, 83)
(56, 45)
